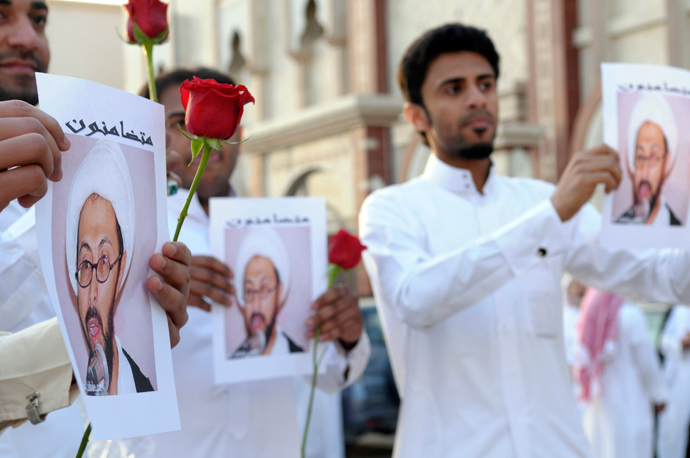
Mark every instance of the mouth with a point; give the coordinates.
(18, 66)
(94, 330)
(644, 191)
(257, 322)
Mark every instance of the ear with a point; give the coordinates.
(416, 115)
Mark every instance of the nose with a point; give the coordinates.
(93, 290)
(23, 35)
(475, 97)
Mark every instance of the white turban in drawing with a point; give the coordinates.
(104, 172)
(263, 241)
(654, 108)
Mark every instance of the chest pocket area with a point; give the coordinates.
(542, 297)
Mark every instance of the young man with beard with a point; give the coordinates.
(466, 268)
(652, 144)
(30, 145)
(261, 419)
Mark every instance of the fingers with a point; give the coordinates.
(333, 294)
(172, 289)
(337, 311)
(213, 264)
(196, 300)
(19, 109)
(17, 119)
(200, 288)
(174, 333)
(211, 278)
(342, 325)
(20, 146)
(27, 184)
(173, 302)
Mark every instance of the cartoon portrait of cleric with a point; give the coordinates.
(652, 140)
(263, 285)
(100, 237)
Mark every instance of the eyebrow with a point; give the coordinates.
(34, 5)
(174, 114)
(5, 2)
(104, 240)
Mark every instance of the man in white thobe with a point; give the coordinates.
(466, 267)
(674, 421)
(619, 412)
(259, 419)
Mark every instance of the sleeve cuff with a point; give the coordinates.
(533, 237)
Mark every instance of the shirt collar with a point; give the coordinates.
(454, 179)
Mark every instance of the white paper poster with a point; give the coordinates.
(276, 248)
(645, 111)
(97, 229)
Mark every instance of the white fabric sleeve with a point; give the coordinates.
(645, 357)
(34, 360)
(640, 275)
(343, 367)
(409, 276)
(22, 287)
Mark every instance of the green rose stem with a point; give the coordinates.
(202, 165)
(148, 50)
(333, 271)
(84, 441)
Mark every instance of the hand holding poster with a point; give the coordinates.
(276, 249)
(95, 241)
(643, 107)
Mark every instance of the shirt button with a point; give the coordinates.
(541, 252)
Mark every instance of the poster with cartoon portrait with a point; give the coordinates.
(644, 110)
(97, 229)
(276, 249)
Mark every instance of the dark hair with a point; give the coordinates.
(445, 39)
(180, 75)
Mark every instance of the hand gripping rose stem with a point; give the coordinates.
(333, 271)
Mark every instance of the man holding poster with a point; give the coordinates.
(652, 147)
(260, 418)
(466, 267)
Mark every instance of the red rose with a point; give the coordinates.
(345, 250)
(149, 15)
(212, 109)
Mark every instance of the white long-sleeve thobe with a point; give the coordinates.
(620, 424)
(258, 419)
(24, 302)
(674, 421)
(468, 288)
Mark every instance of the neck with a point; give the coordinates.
(479, 168)
(112, 389)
